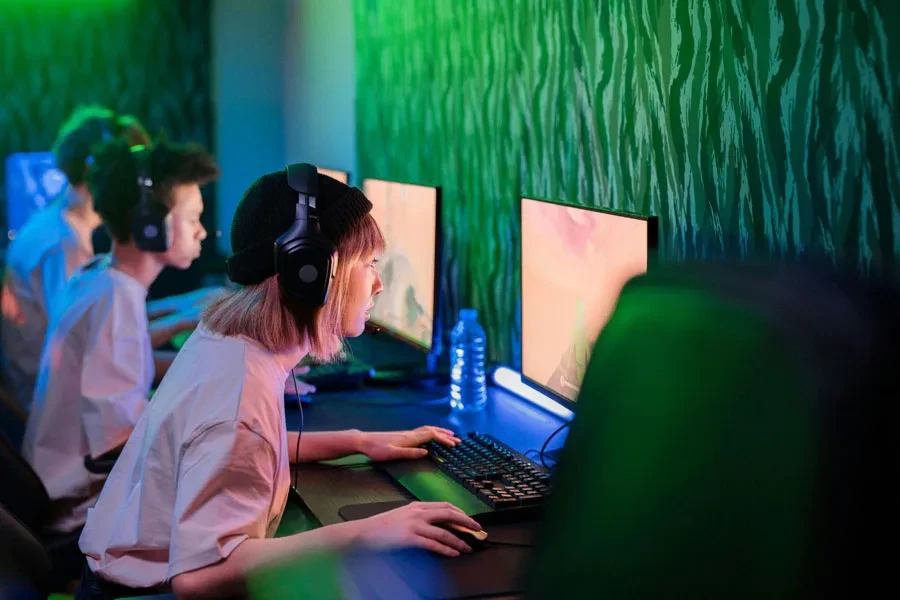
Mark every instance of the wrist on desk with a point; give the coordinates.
(349, 534)
(357, 442)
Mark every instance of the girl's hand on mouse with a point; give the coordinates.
(414, 526)
(395, 445)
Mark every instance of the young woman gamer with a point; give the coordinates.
(199, 489)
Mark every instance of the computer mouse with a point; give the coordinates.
(475, 539)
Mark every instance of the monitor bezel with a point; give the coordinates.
(438, 264)
(652, 223)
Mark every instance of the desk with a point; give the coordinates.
(507, 417)
(325, 489)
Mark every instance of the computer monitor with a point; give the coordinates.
(410, 218)
(575, 261)
(32, 182)
(342, 176)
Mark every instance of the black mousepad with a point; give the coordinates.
(355, 512)
(491, 571)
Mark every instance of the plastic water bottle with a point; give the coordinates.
(468, 384)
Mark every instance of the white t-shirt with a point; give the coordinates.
(93, 384)
(205, 469)
(45, 253)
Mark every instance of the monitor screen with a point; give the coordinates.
(409, 218)
(32, 182)
(342, 176)
(575, 262)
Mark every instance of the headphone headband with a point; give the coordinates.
(304, 179)
(148, 222)
(145, 183)
(304, 258)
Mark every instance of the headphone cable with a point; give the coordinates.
(300, 406)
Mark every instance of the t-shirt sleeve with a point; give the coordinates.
(223, 496)
(114, 378)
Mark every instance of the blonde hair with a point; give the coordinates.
(264, 314)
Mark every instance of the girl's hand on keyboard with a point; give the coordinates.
(395, 445)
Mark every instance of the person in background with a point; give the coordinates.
(198, 492)
(53, 243)
(98, 364)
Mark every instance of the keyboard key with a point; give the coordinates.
(505, 502)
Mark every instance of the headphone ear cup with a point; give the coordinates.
(149, 227)
(305, 267)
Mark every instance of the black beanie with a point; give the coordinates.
(267, 210)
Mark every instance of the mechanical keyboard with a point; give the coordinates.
(499, 476)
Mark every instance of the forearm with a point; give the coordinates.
(162, 360)
(325, 445)
(160, 308)
(224, 577)
(162, 330)
(193, 301)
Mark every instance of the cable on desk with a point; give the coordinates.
(508, 544)
(547, 442)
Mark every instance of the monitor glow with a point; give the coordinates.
(575, 262)
(342, 176)
(408, 216)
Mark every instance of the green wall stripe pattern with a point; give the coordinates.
(748, 126)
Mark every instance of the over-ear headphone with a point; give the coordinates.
(148, 223)
(305, 259)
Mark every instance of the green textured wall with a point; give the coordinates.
(747, 126)
(149, 58)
